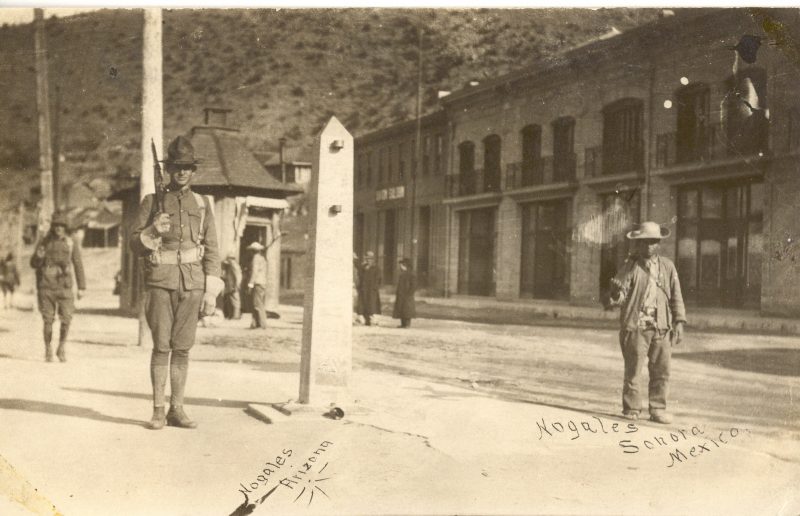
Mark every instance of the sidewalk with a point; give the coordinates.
(707, 319)
(75, 432)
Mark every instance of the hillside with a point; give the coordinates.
(283, 72)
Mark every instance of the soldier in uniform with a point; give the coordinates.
(182, 276)
(54, 259)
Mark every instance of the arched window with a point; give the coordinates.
(531, 136)
(491, 163)
(746, 113)
(695, 134)
(622, 137)
(563, 149)
(466, 167)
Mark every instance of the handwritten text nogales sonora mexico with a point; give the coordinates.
(575, 429)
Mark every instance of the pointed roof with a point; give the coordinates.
(226, 162)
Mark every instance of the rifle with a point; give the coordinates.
(158, 177)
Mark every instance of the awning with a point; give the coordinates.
(267, 202)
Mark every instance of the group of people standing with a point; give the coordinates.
(184, 275)
(367, 281)
(256, 285)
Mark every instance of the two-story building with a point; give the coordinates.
(394, 193)
(686, 121)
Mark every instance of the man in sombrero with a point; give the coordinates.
(652, 316)
(182, 274)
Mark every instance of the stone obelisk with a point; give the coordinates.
(326, 355)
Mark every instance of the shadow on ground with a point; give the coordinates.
(58, 409)
(110, 312)
(270, 367)
(203, 402)
(776, 361)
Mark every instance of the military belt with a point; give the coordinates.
(191, 255)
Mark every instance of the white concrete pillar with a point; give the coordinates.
(326, 356)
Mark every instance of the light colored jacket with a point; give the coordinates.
(258, 270)
(630, 284)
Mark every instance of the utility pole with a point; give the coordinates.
(417, 153)
(152, 128)
(57, 151)
(281, 145)
(43, 108)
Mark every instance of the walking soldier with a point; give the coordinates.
(54, 259)
(175, 231)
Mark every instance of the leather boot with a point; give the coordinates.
(61, 352)
(158, 420)
(158, 379)
(48, 336)
(177, 417)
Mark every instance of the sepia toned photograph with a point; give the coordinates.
(380, 260)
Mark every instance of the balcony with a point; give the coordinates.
(626, 161)
(472, 183)
(544, 171)
(592, 161)
(710, 143)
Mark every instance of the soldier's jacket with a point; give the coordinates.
(185, 234)
(54, 270)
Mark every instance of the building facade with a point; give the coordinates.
(394, 193)
(668, 122)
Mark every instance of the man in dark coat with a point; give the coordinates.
(55, 258)
(182, 275)
(404, 308)
(10, 280)
(369, 282)
(232, 276)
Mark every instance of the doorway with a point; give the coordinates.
(476, 245)
(720, 243)
(545, 256)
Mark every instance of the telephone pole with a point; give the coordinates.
(152, 127)
(412, 250)
(43, 108)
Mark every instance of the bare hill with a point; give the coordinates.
(284, 72)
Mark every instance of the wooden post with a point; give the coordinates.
(43, 107)
(20, 235)
(326, 354)
(152, 128)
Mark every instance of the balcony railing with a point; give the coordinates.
(541, 171)
(563, 168)
(471, 183)
(623, 161)
(709, 143)
(593, 161)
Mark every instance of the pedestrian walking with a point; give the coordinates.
(175, 230)
(404, 308)
(369, 298)
(257, 283)
(9, 280)
(652, 317)
(55, 259)
(232, 276)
